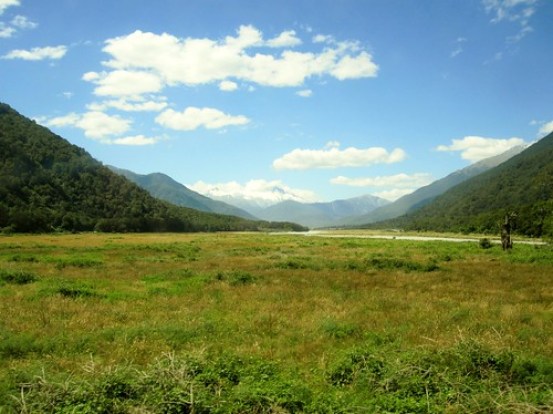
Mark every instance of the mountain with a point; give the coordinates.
(320, 214)
(260, 196)
(523, 185)
(165, 188)
(47, 184)
(426, 194)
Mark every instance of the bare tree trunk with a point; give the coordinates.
(506, 241)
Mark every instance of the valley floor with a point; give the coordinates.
(252, 322)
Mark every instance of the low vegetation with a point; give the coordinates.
(267, 323)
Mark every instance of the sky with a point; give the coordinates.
(310, 100)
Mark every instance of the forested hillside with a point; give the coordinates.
(165, 188)
(522, 185)
(48, 184)
(425, 195)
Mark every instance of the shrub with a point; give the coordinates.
(384, 263)
(74, 292)
(485, 243)
(17, 277)
(241, 278)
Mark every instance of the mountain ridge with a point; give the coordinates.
(166, 188)
(48, 184)
(520, 185)
(424, 195)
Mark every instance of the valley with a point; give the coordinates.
(254, 322)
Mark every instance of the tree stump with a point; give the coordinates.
(506, 241)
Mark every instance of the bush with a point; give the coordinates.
(17, 277)
(485, 243)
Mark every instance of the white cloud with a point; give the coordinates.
(38, 53)
(397, 181)
(63, 121)
(474, 148)
(192, 118)
(228, 86)
(262, 191)
(124, 105)
(398, 184)
(333, 157)
(4, 4)
(124, 83)
(137, 140)
(285, 39)
(546, 128)
(195, 61)
(91, 76)
(96, 125)
(6, 31)
(22, 22)
(394, 194)
(305, 93)
(321, 38)
(353, 67)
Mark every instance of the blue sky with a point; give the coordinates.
(324, 99)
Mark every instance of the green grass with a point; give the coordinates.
(234, 323)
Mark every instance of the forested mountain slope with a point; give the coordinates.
(47, 184)
(425, 195)
(165, 188)
(523, 185)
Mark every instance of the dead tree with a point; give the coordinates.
(506, 227)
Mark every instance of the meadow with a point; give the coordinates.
(273, 323)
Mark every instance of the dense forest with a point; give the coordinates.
(48, 184)
(523, 185)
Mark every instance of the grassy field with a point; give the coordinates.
(265, 323)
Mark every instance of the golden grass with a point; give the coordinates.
(288, 298)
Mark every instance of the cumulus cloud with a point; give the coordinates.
(22, 22)
(474, 148)
(170, 61)
(4, 4)
(96, 125)
(261, 191)
(397, 181)
(352, 67)
(546, 128)
(124, 83)
(192, 118)
(228, 86)
(6, 31)
(333, 157)
(137, 140)
(38, 53)
(285, 39)
(305, 93)
(129, 106)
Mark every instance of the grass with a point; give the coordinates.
(232, 323)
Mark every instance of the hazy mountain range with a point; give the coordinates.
(425, 195)
(48, 184)
(350, 212)
(522, 185)
(165, 188)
